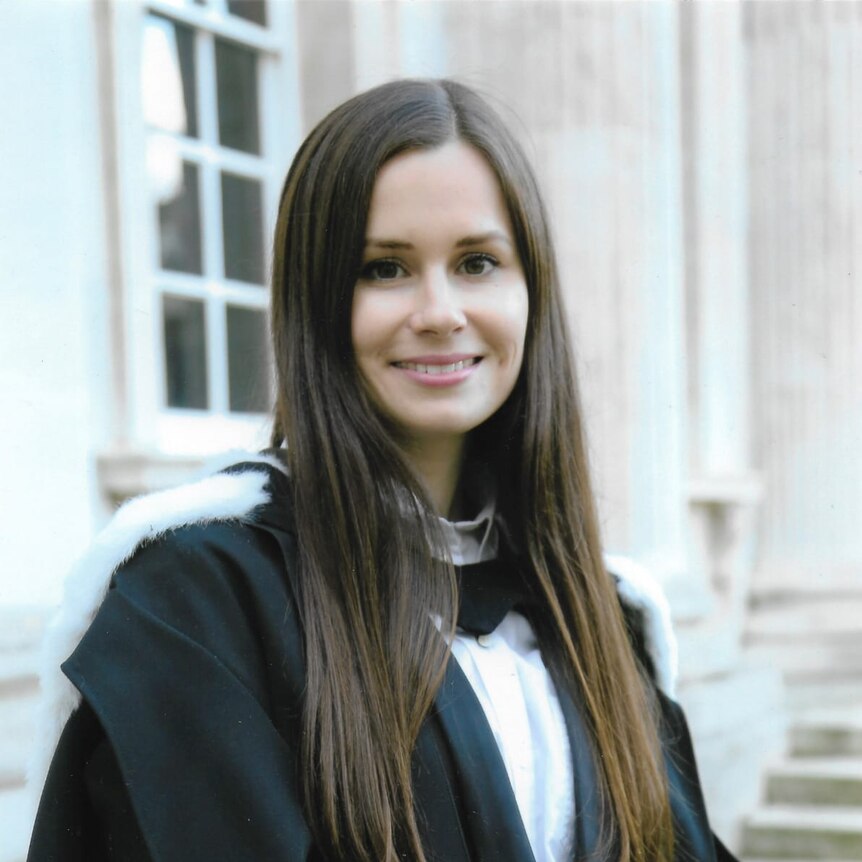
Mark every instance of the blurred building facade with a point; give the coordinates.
(703, 167)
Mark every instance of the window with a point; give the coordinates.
(207, 171)
(206, 121)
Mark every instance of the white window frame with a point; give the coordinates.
(151, 427)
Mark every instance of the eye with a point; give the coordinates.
(384, 269)
(479, 264)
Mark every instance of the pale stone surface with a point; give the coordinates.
(816, 781)
(804, 74)
(18, 699)
(828, 732)
(326, 75)
(825, 833)
(52, 369)
(17, 715)
(813, 797)
(737, 722)
(15, 825)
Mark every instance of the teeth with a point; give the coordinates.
(422, 368)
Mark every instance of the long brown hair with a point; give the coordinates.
(366, 587)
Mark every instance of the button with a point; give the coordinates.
(485, 640)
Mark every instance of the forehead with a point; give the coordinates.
(453, 181)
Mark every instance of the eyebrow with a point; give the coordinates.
(464, 242)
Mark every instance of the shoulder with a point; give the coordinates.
(647, 616)
(182, 556)
(173, 521)
(206, 580)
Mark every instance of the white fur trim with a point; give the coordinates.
(640, 591)
(220, 497)
(216, 497)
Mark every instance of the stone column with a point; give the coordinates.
(736, 709)
(722, 489)
(658, 441)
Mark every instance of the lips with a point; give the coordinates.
(439, 371)
(437, 367)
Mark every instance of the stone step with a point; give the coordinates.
(829, 653)
(806, 617)
(828, 733)
(808, 636)
(799, 832)
(816, 781)
(821, 689)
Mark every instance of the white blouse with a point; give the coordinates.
(515, 690)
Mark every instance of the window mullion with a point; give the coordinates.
(207, 107)
(211, 191)
(212, 235)
(217, 354)
(199, 151)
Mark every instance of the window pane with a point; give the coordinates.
(242, 227)
(251, 10)
(168, 77)
(236, 83)
(180, 223)
(248, 360)
(185, 353)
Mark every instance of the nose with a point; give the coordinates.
(439, 308)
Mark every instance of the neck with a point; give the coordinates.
(437, 463)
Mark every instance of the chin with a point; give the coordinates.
(440, 429)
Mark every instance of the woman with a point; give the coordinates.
(269, 675)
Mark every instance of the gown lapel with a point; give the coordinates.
(478, 791)
(491, 818)
(494, 828)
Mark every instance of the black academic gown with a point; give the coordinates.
(185, 746)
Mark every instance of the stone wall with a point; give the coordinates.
(805, 163)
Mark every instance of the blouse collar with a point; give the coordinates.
(473, 541)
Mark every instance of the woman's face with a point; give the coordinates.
(440, 308)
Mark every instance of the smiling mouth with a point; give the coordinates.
(424, 368)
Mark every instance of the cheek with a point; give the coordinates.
(376, 319)
(513, 316)
(364, 342)
(519, 322)
(505, 304)
(362, 329)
